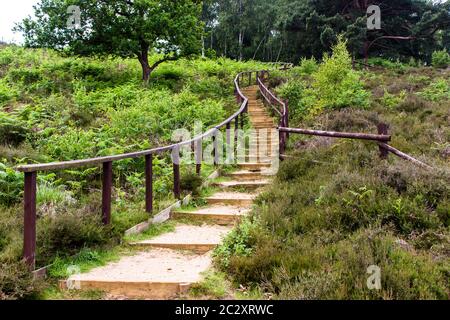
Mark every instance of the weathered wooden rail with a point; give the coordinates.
(31, 171)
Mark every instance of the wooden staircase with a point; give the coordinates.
(167, 265)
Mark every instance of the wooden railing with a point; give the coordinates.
(279, 107)
(31, 171)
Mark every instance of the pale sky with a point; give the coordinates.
(14, 11)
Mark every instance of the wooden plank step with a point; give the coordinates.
(254, 166)
(231, 198)
(267, 158)
(153, 274)
(261, 118)
(261, 122)
(221, 215)
(245, 184)
(245, 175)
(199, 239)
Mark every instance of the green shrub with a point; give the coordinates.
(191, 182)
(11, 185)
(335, 84)
(237, 244)
(66, 234)
(26, 76)
(438, 90)
(390, 100)
(293, 91)
(12, 130)
(441, 59)
(71, 145)
(386, 63)
(16, 281)
(308, 66)
(49, 194)
(7, 93)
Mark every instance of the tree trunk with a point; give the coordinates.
(241, 33)
(143, 59)
(241, 42)
(366, 52)
(203, 46)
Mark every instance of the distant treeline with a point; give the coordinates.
(289, 29)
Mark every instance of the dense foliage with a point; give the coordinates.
(287, 30)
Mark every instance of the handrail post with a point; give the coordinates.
(149, 183)
(281, 143)
(215, 148)
(176, 172)
(198, 157)
(106, 193)
(228, 147)
(29, 235)
(383, 130)
(286, 121)
(236, 130)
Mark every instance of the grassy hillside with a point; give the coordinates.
(55, 108)
(335, 208)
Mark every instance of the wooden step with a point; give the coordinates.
(246, 175)
(231, 198)
(261, 119)
(153, 274)
(243, 184)
(258, 112)
(221, 215)
(199, 239)
(259, 123)
(267, 126)
(267, 158)
(254, 166)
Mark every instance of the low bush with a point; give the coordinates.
(438, 90)
(390, 100)
(16, 281)
(237, 244)
(191, 182)
(6, 93)
(293, 90)
(335, 84)
(12, 130)
(441, 59)
(11, 185)
(308, 66)
(66, 234)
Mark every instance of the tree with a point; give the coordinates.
(125, 28)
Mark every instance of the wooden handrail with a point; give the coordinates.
(333, 134)
(382, 139)
(272, 100)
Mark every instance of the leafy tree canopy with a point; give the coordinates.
(289, 29)
(126, 28)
